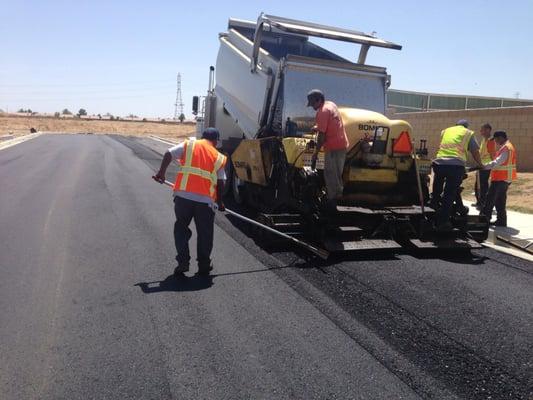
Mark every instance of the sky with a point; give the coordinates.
(122, 57)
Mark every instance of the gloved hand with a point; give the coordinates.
(313, 161)
(220, 206)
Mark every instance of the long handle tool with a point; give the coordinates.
(418, 181)
(324, 254)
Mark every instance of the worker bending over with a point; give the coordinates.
(198, 187)
(487, 152)
(449, 169)
(502, 174)
(331, 136)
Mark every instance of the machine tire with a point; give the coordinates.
(237, 188)
(229, 176)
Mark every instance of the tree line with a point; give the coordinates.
(83, 112)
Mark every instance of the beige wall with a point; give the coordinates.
(516, 121)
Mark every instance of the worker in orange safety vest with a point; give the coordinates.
(487, 151)
(502, 174)
(197, 194)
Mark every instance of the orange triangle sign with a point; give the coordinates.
(403, 144)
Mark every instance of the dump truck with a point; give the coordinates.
(257, 99)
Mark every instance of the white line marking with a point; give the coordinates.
(18, 140)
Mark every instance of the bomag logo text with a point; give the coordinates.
(364, 127)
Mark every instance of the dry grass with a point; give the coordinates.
(20, 125)
(519, 195)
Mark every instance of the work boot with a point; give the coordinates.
(445, 227)
(204, 271)
(434, 205)
(180, 270)
(498, 223)
(331, 207)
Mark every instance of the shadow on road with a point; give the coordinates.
(171, 284)
(196, 282)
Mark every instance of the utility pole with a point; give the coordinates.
(178, 105)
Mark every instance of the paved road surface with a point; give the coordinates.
(89, 309)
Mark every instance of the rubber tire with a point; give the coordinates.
(229, 176)
(236, 189)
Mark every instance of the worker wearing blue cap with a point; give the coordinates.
(197, 194)
(449, 169)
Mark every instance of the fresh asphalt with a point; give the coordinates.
(90, 309)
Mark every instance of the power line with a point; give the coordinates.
(178, 105)
(78, 97)
(62, 84)
(78, 91)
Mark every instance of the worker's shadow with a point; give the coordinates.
(172, 284)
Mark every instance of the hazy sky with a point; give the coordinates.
(122, 57)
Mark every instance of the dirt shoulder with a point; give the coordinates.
(519, 195)
(17, 126)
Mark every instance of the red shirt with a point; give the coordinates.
(329, 121)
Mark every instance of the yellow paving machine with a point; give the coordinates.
(257, 100)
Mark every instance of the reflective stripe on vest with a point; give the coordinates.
(186, 168)
(454, 142)
(218, 163)
(506, 171)
(199, 175)
(487, 150)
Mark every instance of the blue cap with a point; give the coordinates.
(463, 122)
(211, 134)
(500, 134)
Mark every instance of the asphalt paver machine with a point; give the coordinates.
(257, 99)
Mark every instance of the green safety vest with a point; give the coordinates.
(454, 142)
(487, 150)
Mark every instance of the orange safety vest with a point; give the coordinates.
(491, 148)
(200, 163)
(506, 171)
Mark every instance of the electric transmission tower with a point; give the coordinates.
(178, 110)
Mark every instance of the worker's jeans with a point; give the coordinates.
(497, 196)
(482, 187)
(204, 218)
(447, 178)
(333, 167)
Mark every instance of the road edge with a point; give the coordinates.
(21, 139)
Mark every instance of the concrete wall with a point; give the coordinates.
(516, 121)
